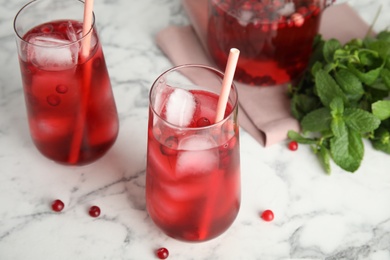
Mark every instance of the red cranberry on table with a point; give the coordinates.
(293, 145)
(267, 215)
(162, 253)
(57, 205)
(94, 211)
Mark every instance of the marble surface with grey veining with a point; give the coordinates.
(341, 216)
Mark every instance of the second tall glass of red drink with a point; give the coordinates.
(193, 162)
(70, 105)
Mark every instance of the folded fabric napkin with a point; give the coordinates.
(264, 112)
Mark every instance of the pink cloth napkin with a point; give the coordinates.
(264, 112)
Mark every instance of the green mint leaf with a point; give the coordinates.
(350, 84)
(338, 126)
(367, 76)
(381, 109)
(381, 47)
(385, 75)
(327, 88)
(316, 67)
(368, 58)
(337, 107)
(324, 156)
(354, 44)
(317, 54)
(329, 49)
(360, 120)
(299, 138)
(347, 150)
(346, 55)
(382, 140)
(384, 36)
(337, 110)
(317, 120)
(301, 104)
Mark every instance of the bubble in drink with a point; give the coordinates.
(57, 54)
(180, 107)
(196, 155)
(62, 89)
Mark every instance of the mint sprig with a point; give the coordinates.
(343, 98)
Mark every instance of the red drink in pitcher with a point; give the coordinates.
(71, 109)
(275, 37)
(193, 172)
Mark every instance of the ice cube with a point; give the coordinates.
(245, 16)
(180, 107)
(196, 155)
(71, 33)
(51, 52)
(287, 9)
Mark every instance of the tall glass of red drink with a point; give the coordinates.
(193, 162)
(70, 105)
(275, 37)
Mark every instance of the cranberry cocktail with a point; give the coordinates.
(70, 105)
(193, 163)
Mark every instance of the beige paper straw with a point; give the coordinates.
(75, 147)
(227, 83)
(87, 24)
(221, 107)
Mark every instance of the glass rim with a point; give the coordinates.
(20, 37)
(212, 69)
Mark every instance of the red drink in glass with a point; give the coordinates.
(275, 38)
(193, 171)
(70, 105)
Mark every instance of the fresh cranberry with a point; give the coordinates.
(265, 26)
(314, 9)
(293, 145)
(267, 215)
(94, 211)
(203, 121)
(303, 11)
(298, 19)
(57, 205)
(170, 146)
(162, 253)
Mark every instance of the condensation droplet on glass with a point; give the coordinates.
(62, 89)
(53, 100)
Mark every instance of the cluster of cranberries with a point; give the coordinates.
(58, 205)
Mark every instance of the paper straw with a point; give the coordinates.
(87, 23)
(214, 188)
(75, 145)
(227, 83)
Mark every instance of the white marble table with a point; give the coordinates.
(342, 216)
